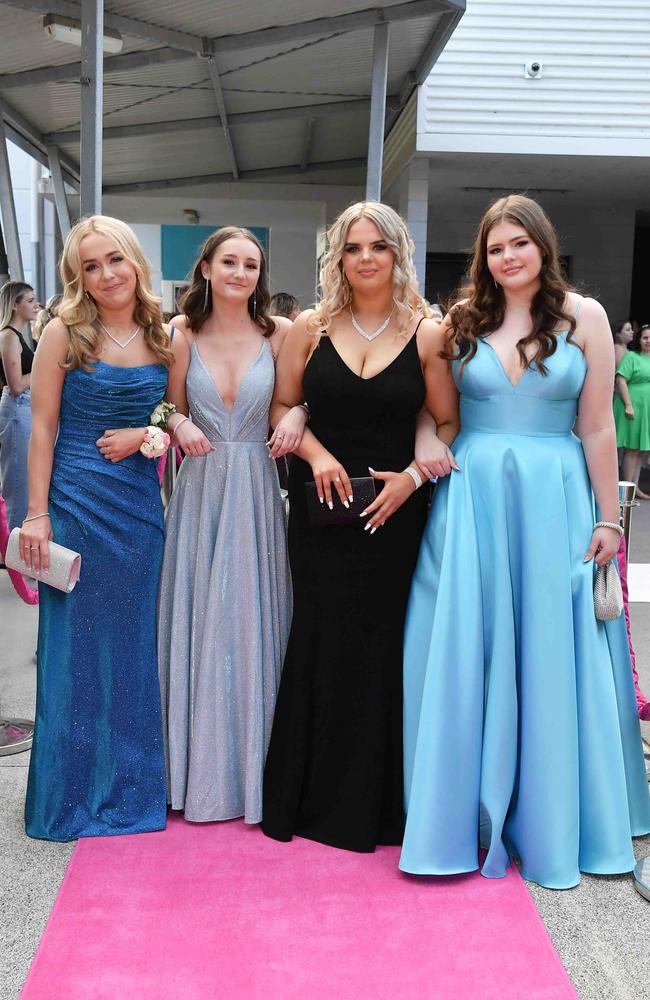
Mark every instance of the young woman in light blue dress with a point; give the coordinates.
(520, 715)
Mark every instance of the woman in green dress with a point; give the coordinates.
(632, 407)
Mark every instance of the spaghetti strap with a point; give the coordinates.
(418, 326)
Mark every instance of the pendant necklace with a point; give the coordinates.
(115, 340)
(371, 336)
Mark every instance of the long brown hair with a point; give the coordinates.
(484, 305)
(78, 310)
(197, 305)
(11, 294)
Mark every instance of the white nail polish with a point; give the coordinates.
(351, 498)
(321, 499)
(346, 504)
(373, 531)
(364, 513)
(368, 525)
(330, 505)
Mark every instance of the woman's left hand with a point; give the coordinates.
(398, 487)
(288, 434)
(605, 543)
(118, 444)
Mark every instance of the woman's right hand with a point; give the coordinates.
(328, 474)
(192, 440)
(629, 411)
(32, 545)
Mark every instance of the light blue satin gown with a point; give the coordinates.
(519, 709)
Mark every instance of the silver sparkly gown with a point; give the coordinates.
(225, 603)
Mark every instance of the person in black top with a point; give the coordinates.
(18, 306)
(366, 361)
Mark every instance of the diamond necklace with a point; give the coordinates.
(115, 340)
(380, 329)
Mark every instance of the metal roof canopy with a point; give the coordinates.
(211, 91)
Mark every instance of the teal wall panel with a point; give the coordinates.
(180, 246)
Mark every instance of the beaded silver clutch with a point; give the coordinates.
(608, 593)
(65, 564)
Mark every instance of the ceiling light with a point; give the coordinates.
(68, 29)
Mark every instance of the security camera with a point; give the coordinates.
(533, 70)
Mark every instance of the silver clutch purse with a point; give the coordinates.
(65, 564)
(608, 593)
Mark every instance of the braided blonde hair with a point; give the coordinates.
(336, 292)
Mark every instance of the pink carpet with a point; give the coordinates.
(200, 912)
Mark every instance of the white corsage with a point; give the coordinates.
(161, 414)
(156, 442)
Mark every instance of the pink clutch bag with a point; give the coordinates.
(65, 564)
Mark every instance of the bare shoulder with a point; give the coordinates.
(592, 325)
(55, 339)
(178, 342)
(282, 326)
(181, 326)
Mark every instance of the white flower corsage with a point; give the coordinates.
(161, 414)
(156, 442)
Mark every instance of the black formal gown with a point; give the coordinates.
(334, 766)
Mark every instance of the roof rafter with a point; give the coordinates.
(209, 122)
(27, 137)
(265, 173)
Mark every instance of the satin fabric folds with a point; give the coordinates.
(521, 729)
(97, 761)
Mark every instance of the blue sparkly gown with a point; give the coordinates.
(97, 762)
(519, 716)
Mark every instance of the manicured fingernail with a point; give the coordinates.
(330, 505)
(351, 498)
(364, 513)
(346, 504)
(371, 470)
(373, 531)
(321, 499)
(368, 525)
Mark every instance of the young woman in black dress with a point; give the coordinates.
(366, 362)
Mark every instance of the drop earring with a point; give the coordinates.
(207, 295)
(496, 283)
(255, 304)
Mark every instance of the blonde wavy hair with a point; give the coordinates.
(336, 293)
(78, 310)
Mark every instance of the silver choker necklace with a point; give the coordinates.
(380, 329)
(115, 340)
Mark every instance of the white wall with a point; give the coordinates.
(295, 225)
(592, 97)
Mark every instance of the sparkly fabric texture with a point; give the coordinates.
(225, 603)
(97, 763)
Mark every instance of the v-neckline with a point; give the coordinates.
(513, 385)
(369, 378)
(239, 387)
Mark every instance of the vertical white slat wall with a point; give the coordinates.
(591, 96)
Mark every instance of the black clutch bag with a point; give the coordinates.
(363, 491)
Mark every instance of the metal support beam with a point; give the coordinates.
(213, 69)
(354, 21)
(210, 121)
(307, 143)
(377, 112)
(263, 174)
(92, 105)
(71, 72)
(8, 211)
(27, 137)
(60, 200)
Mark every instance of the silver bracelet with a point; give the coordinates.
(34, 517)
(305, 407)
(415, 476)
(610, 524)
(181, 421)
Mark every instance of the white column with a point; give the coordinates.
(414, 209)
